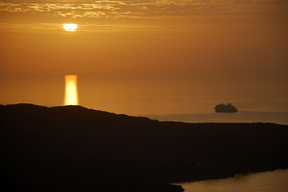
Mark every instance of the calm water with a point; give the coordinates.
(275, 181)
(241, 116)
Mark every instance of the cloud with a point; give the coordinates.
(143, 9)
(48, 1)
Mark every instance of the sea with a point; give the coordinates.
(271, 181)
(236, 117)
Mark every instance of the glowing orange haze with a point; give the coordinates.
(71, 93)
(158, 57)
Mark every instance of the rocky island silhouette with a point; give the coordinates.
(72, 148)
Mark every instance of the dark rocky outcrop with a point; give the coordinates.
(72, 148)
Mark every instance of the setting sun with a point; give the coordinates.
(71, 95)
(70, 27)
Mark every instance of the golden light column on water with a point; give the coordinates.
(71, 93)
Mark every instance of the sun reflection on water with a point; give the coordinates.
(71, 93)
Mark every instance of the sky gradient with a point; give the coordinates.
(146, 56)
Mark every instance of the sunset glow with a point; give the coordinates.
(146, 57)
(71, 93)
(70, 27)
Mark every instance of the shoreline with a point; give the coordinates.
(267, 181)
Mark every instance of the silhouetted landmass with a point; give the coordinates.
(72, 148)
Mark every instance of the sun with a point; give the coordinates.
(70, 27)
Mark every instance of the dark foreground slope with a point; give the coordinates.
(72, 148)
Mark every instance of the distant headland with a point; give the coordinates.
(72, 148)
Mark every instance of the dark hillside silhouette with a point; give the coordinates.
(72, 148)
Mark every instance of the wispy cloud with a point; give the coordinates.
(144, 12)
(138, 8)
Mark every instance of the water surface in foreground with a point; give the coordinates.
(274, 181)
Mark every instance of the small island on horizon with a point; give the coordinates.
(72, 148)
(228, 108)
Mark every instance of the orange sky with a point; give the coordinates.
(146, 56)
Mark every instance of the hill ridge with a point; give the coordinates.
(72, 147)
